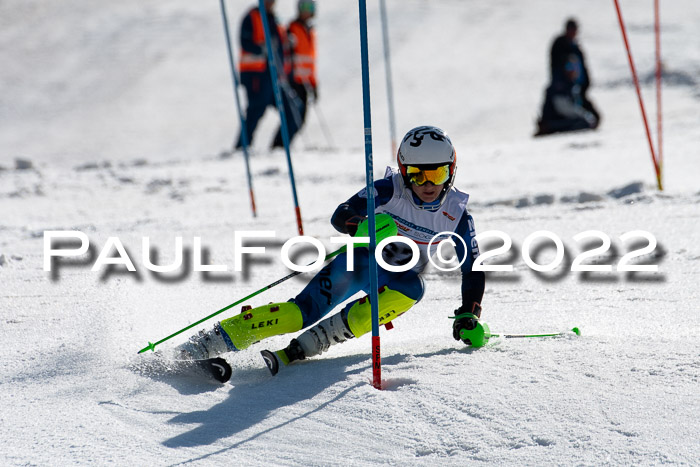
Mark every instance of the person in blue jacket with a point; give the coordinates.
(426, 208)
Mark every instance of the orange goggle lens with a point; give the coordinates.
(419, 176)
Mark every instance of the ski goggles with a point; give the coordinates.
(419, 176)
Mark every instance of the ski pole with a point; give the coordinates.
(324, 125)
(319, 116)
(292, 96)
(152, 345)
(511, 336)
(280, 107)
(385, 227)
(244, 136)
(294, 105)
(464, 334)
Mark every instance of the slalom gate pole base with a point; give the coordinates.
(376, 363)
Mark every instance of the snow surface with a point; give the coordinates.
(113, 120)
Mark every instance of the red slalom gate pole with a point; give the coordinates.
(376, 363)
(659, 117)
(639, 94)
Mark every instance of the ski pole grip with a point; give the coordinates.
(385, 227)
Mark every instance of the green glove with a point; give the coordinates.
(467, 327)
(384, 225)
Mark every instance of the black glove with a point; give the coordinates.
(352, 223)
(313, 93)
(467, 323)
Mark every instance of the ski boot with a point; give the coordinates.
(352, 321)
(201, 351)
(203, 345)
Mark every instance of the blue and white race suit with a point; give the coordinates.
(421, 223)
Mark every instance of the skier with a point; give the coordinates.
(254, 70)
(303, 77)
(422, 202)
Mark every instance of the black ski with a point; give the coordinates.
(271, 361)
(215, 368)
(218, 368)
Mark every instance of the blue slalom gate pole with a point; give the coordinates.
(280, 108)
(236, 84)
(389, 80)
(369, 176)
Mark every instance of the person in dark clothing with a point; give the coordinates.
(566, 106)
(253, 65)
(302, 81)
(564, 46)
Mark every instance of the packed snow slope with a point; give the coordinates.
(116, 120)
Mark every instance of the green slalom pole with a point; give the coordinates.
(386, 227)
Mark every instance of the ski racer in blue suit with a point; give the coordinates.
(426, 208)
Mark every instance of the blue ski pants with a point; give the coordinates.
(334, 284)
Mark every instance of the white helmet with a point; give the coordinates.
(425, 155)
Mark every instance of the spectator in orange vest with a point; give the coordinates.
(253, 65)
(303, 77)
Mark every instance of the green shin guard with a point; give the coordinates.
(338, 328)
(253, 325)
(391, 304)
